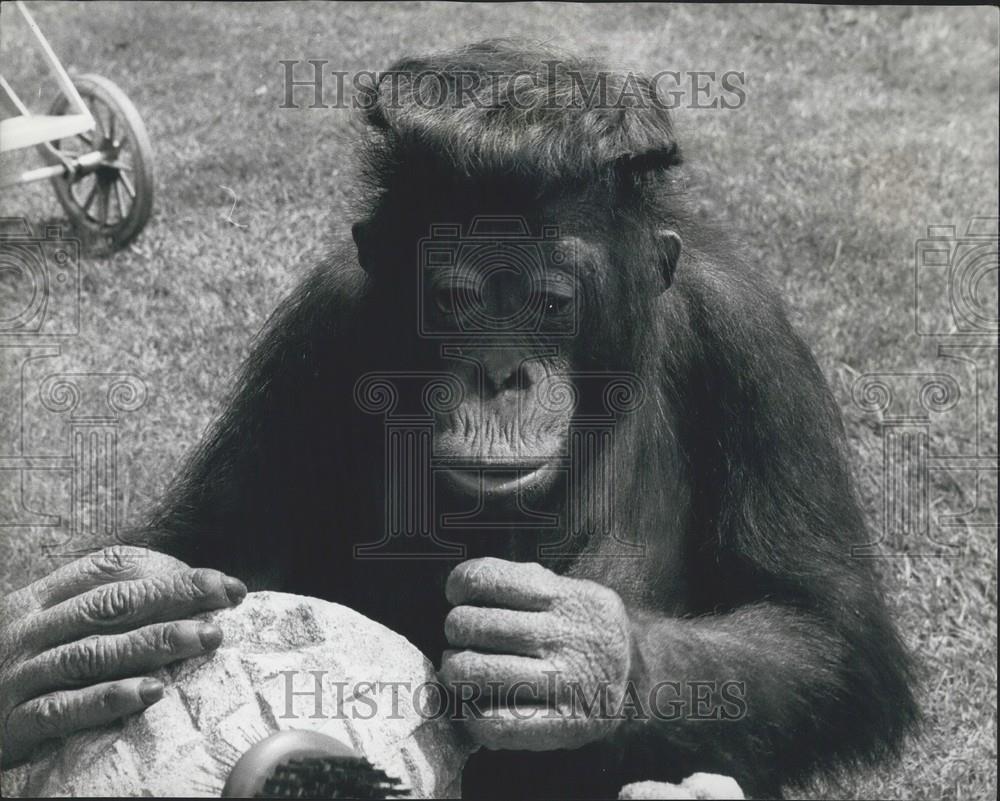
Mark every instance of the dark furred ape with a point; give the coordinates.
(719, 554)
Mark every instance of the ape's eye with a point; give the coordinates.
(450, 300)
(558, 304)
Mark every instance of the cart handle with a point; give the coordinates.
(61, 76)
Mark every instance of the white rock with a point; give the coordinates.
(713, 785)
(216, 707)
(654, 790)
(695, 786)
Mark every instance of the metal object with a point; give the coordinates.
(99, 157)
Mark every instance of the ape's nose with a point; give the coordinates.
(505, 377)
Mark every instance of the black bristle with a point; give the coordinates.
(331, 777)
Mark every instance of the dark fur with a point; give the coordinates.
(733, 475)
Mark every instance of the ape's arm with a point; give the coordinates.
(781, 603)
(765, 694)
(246, 502)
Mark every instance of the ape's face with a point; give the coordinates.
(505, 301)
(508, 308)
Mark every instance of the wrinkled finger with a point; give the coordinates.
(506, 631)
(526, 727)
(62, 713)
(500, 678)
(115, 656)
(127, 605)
(498, 582)
(111, 564)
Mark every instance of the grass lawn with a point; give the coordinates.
(861, 128)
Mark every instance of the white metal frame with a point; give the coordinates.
(23, 129)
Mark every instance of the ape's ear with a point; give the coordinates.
(362, 240)
(668, 245)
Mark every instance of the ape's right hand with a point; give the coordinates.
(74, 645)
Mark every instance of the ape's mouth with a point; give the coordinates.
(495, 480)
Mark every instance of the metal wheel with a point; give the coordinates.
(113, 199)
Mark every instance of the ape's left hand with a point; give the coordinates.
(537, 645)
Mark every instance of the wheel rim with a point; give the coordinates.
(105, 195)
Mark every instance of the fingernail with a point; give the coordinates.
(209, 635)
(236, 590)
(150, 691)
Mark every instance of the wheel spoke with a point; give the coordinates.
(109, 120)
(90, 198)
(118, 200)
(127, 184)
(105, 204)
(86, 140)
